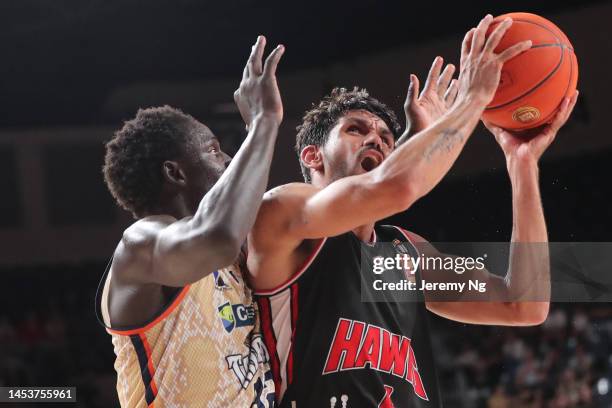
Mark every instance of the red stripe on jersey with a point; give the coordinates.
(265, 311)
(294, 317)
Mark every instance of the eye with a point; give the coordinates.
(213, 149)
(353, 129)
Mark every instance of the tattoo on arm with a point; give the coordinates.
(447, 140)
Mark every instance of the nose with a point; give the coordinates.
(373, 140)
(226, 159)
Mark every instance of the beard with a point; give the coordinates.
(340, 169)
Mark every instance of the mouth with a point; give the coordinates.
(371, 159)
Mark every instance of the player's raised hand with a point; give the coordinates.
(258, 94)
(480, 69)
(532, 143)
(438, 95)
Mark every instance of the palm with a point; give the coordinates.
(532, 142)
(426, 111)
(438, 95)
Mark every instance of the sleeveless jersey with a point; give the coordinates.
(204, 350)
(329, 348)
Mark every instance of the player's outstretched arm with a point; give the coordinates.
(178, 252)
(522, 297)
(412, 170)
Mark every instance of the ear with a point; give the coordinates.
(173, 173)
(312, 157)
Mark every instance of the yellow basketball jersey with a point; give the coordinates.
(204, 350)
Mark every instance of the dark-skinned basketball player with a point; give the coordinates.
(328, 347)
(183, 322)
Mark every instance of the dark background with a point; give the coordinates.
(72, 71)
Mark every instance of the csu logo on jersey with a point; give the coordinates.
(357, 345)
(233, 316)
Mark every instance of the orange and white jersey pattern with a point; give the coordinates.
(204, 350)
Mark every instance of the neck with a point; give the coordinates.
(175, 206)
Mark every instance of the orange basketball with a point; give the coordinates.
(534, 83)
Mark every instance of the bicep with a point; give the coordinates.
(438, 267)
(294, 213)
(185, 253)
(471, 305)
(344, 205)
(174, 253)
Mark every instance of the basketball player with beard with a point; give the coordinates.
(183, 322)
(328, 347)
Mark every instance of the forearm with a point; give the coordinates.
(528, 223)
(528, 276)
(424, 159)
(235, 199)
(522, 296)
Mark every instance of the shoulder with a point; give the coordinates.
(280, 208)
(286, 199)
(144, 232)
(135, 250)
(290, 191)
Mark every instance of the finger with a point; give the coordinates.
(247, 71)
(445, 79)
(466, 44)
(565, 110)
(491, 127)
(479, 34)
(573, 101)
(273, 59)
(572, 105)
(254, 63)
(546, 135)
(498, 33)
(513, 51)
(413, 91)
(433, 76)
(451, 93)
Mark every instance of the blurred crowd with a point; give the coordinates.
(566, 362)
(49, 335)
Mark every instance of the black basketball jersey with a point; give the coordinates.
(329, 348)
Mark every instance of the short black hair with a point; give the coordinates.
(136, 153)
(319, 120)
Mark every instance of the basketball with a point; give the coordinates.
(534, 83)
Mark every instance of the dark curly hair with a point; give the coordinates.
(135, 155)
(319, 121)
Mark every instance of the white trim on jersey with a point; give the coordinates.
(300, 272)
